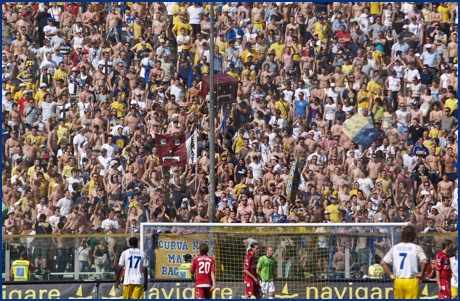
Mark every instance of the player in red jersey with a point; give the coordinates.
(251, 278)
(443, 271)
(205, 268)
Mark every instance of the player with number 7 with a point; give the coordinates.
(405, 258)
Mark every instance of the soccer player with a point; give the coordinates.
(454, 267)
(205, 278)
(135, 266)
(266, 268)
(405, 257)
(443, 271)
(251, 278)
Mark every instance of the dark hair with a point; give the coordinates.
(446, 243)
(408, 234)
(133, 242)
(204, 248)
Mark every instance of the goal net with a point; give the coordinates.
(312, 260)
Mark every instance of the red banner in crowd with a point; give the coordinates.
(172, 150)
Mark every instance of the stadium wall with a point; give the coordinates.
(357, 289)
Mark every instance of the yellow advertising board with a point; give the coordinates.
(171, 250)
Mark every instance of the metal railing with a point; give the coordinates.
(64, 264)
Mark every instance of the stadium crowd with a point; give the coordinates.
(86, 86)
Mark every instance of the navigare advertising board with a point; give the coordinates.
(224, 290)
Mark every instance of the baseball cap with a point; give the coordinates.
(49, 19)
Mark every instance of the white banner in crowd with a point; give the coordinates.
(192, 147)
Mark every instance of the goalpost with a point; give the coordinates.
(312, 259)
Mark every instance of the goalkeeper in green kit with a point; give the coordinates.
(266, 269)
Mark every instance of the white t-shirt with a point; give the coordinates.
(142, 104)
(65, 205)
(105, 162)
(405, 258)
(334, 94)
(402, 117)
(54, 220)
(107, 222)
(195, 13)
(288, 96)
(366, 185)
(133, 260)
(330, 111)
(72, 180)
(176, 90)
(169, 6)
(410, 74)
(256, 169)
(306, 93)
(393, 83)
(415, 29)
(49, 29)
(182, 39)
(265, 152)
(111, 149)
(79, 139)
(144, 63)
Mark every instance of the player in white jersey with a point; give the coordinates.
(454, 268)
(405, 258)
(135, 264)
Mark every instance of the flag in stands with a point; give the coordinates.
(177, 150)
(361, 131)
(293, 180)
